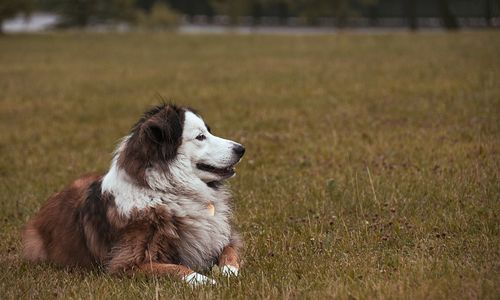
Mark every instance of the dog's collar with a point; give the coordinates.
(211, 209)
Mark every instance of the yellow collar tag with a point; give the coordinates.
(211, 209)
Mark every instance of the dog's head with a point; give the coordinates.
(168, 135)
(212, 158)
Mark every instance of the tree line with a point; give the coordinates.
(81, 13)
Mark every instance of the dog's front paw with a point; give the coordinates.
(228, 270)
(196, 279)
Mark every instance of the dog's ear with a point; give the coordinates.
(154, 131)
(164, 130)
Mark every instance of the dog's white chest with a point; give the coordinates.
(203, 225)
(204, 235)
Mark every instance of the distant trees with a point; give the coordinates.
(312, 10)
(234, 8)
(10, 8)
(81, 13)
(162, 12)
(411, 14)
(449, 20)
(488, 8)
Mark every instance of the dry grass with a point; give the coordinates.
(372, 166)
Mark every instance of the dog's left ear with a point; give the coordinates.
(165, 131)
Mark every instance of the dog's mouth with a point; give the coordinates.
(222, 172)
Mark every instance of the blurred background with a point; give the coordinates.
(246, 15)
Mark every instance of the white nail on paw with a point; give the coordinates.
(230, 270)
(197, 279)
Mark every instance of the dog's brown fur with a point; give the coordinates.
(68, 231)
(55, 233)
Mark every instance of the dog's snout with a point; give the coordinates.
(239, 150)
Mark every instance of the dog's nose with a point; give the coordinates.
(239, 150)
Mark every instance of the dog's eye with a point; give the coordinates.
(201, 137)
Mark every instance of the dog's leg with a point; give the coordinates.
(229, 261)
(176, 271)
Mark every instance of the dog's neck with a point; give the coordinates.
(178, 179)
(176, 190)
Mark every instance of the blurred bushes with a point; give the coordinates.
(160, 17)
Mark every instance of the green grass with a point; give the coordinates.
(372, 165)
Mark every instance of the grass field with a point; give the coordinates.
(372, 166)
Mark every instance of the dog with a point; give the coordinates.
(162, 208)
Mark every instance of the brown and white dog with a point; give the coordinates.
(161, 208)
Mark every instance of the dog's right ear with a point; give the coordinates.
(164, 130)
(154, 140)
(154, 132)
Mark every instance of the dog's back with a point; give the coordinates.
(55, 233)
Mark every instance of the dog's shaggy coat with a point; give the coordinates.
(161, 207)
